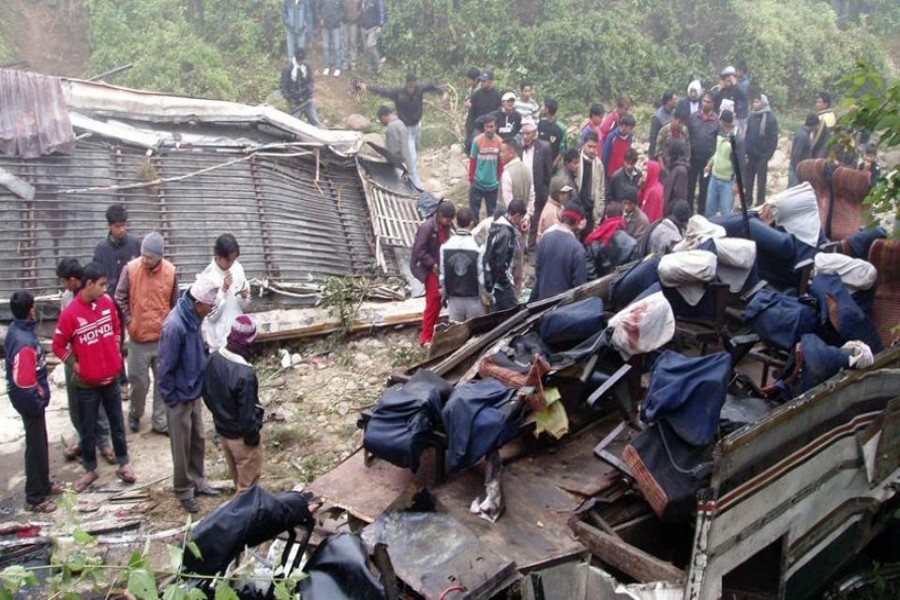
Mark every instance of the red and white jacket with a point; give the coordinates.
(89, 334)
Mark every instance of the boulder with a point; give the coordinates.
(358, 122)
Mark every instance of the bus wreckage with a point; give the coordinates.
(721, 421)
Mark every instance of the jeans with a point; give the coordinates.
(476, 193)
(350, 38)
(331, 47)
(504, 298)
(371, 48)
(295, 40)
(142, 359)
(90, 400)
(756, 174)
(415, 136)
(37, 459)
(102, 432)
(308, 108)
(720, 197)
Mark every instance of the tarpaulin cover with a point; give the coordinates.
(479, 417)
(688, 393)
(855, 273)
(643, 326)
(250, 518)
(668, 471)
(778, 318)
(573, 323)
(841, 316)
(401, 424)
(339, 570)
(634, 281)
(34, 118)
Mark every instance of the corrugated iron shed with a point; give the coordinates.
(34, 118)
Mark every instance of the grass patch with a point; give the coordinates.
(286, 436)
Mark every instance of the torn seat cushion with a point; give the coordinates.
(480, 416)
(504, 369)
(778, 318)
(688, 393)
(570, 324)
(402, 422)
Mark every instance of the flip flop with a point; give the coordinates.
(72, 452)
(55, 489)
(83, 482)
(47, 506)
(109, 454)
(125, 474)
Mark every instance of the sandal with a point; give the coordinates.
(47, 506)
(109, 454)
(126, 474)
(72, 452)
(84, 481)
(55, 489)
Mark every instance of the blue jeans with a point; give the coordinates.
(476, 193)
(719, 197)
(309, 109)
(792, 177)
(294, 41)
(415, 134)
(90, 399)
(331, 46)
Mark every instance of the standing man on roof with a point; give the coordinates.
(297, 88)
(113, 252)
(146, 293)
(409, 102)
(396, 142)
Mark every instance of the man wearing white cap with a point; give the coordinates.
(147, 291)
(509, 122)
(181, 359)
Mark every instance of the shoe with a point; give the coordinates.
(83, 482)
(110, 455)
(190, 505)
(72, 452)
(326, 71)
(47, 506)
(126, 474)
(337, 73)
(210, 492)
(55, 489)
(135, 424)
(164, 432)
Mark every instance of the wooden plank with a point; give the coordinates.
(620, 555)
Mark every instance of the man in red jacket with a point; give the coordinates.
(87, 339)
(425, 264)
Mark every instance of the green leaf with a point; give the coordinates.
(224, 591)
(142, 584)
(196, 594)
(136, 560)
(82, 537)
(282, 592)
(174, 591)
(194, 549)
(176, 556)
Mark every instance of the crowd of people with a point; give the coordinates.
(582, 207)
(126, 306)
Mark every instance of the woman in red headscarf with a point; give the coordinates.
(651, 195)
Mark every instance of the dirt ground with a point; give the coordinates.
(52, 35)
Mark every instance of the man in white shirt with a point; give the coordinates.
(233, 296)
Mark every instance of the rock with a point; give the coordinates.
(779, 158)
(343, 408)
(351, 386)
(296, 359)
(58, 376)
(362, 360)
(456, 148)
(358, 122)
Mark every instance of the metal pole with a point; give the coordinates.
(111, 72)
(736, 164)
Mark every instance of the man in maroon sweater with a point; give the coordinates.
(87, 339)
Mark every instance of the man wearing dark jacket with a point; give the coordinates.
(561, 263)
(27, 388)
(331, 16)
(625, 181)
(181, 358)
(703, 126)
(425, 264)
(662, 116)
(231, 393)
(801, 147)
(509, 121)
(372, 17)
(500, 257)
(485, 100)
(760, 143)
(537, 156)
(297, 88)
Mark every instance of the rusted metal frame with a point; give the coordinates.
(268, 254)
(335, 194)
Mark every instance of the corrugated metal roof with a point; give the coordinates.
(392, 203)
(34, 119)
(292, 227)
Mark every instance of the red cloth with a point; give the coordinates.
(620, 147)
(91, 333)
(432, 308)
(608, 124)
(651, 195)
(605, 231)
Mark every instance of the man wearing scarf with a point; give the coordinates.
(560, 264)
(231, 393)
(760, 143)
(297, 88)
(180, 369)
